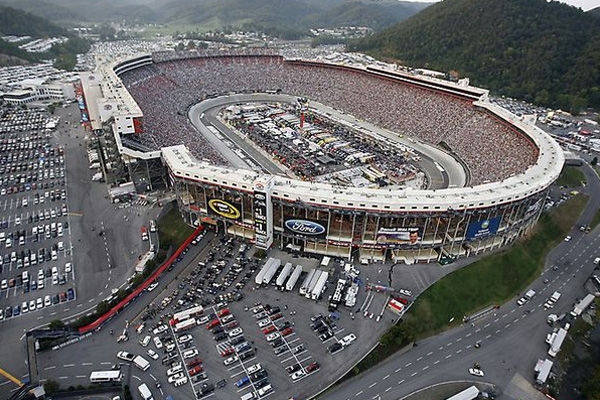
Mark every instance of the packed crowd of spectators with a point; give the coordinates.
(164, 91)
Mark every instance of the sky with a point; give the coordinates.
(585, 5)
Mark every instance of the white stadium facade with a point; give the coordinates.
(510, 163)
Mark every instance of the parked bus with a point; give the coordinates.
(106, 376)
(186, 314)
(469, 393)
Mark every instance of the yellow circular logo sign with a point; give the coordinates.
(224, 209)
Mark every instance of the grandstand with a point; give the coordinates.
(511, 163)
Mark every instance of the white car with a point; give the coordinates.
(125, 356)
(39, 303)
(160, 329)
(568, 238)
(264, 322)
(273, 336)
(190, 353)
(175, 377)
(254, 368)
(235, 332)
(152, 354)
(152, 286)
(47, 301)
(157, 342)
(476, 372)
(175, 370)
(298, 374)
(230, 360)
(348, 339)
(145, 341)
(68, 267)
(185, 338)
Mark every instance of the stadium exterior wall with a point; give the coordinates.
(405, 225)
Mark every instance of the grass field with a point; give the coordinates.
(571, 177)
(492, 280)
(173, 230)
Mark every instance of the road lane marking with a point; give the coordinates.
(388, 389)
(68, 365)
(488, 336)
(448, 356)
(458, 351)
(468, 334)
(49, 368)
(408, 365)
(413, 374)
(88, 364)
(430, 353)
(419, 359)
(385, 377)
(398, 370)
(373, 384)
(358, 394)
(436, 362)
(425, 367)
(449, 344)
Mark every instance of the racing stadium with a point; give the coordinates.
(157, 107)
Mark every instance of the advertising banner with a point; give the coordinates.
(400, 235)
(483, 228)
(224, 209)
(305, 227)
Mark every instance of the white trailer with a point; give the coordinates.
(258, 279)
(557, 343)
(285, 272)
(271, 271)
(582, 305)
(291, 282)
(141, 363)
(312, 283)
(320, 285)
(307, 280)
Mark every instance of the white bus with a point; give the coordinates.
(469, 393)
(106, 376)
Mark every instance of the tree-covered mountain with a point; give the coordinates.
(217, 14)
(20, 23)
(544, 52)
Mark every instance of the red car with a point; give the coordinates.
(231, 325)
(227, 352)
(213, 324)
(193, 363)
(286, 331)
(312, 367)
(223, 312)
(276, 316)
(269, 329)
(196, 370)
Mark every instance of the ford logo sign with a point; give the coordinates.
(305, 227)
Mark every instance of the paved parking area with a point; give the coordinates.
(37, 270)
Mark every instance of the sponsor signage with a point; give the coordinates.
(483, 228)
(224, 209)
(305, 227)
(399, 235)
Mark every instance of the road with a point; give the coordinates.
(512, 338)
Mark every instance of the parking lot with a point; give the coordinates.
(37, 270)
(208, 329)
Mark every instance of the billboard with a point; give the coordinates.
(224, 209)
(482, 228)
(305, 227)
(410, 235)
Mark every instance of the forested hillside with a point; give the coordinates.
(544, 52)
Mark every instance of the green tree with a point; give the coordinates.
(594, 161)
(56, 324)
(51, 386)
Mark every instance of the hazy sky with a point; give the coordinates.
(583, 4)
